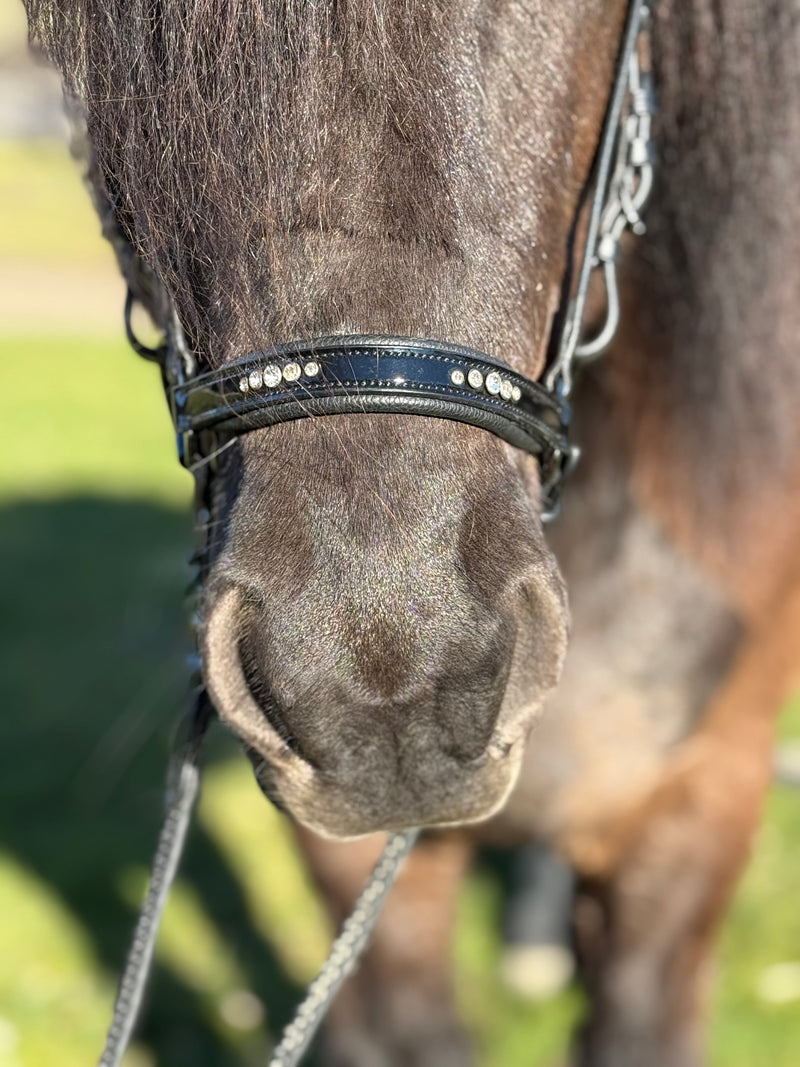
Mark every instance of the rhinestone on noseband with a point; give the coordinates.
(272, 375)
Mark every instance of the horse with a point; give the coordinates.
(385, 623)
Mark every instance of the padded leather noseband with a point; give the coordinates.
(363, 374)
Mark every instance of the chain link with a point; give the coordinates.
(628, 191)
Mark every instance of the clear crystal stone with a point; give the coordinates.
(272, 375)
(311, 369)
(475, 378)
(244, 385)
(493, 382)
(506, 389)
(457, 377)
(516, 394)
(255, 379)
(291, 372)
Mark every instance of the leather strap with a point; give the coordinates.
(364, 374)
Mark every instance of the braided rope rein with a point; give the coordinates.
(183, 787)
(182, 791)
(345, 952)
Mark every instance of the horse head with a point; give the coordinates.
(382, 616)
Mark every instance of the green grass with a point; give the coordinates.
(85, 416)
(94, 529)
(763, 929)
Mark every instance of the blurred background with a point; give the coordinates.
(95, 527)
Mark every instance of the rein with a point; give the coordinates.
(378, 374)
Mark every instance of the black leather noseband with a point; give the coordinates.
(383, 375)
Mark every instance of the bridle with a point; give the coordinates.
(351, 375)
(378, 374)
(399, 375)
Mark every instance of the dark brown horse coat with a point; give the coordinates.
(384, 617)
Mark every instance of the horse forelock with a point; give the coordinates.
(288, 169)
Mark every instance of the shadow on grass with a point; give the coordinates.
(92, 650)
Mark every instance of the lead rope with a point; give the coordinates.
(183, 787)
(344, 954)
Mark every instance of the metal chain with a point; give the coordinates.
(628, 192)
(623, 180)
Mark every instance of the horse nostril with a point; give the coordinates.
(265, 777)
(237, 687)
(263, 695)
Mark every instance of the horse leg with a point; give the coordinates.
(538, 960)
(645, 923)
(398, 1009)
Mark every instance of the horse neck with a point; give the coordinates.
(707, 375)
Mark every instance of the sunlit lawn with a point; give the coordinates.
(94, 530)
